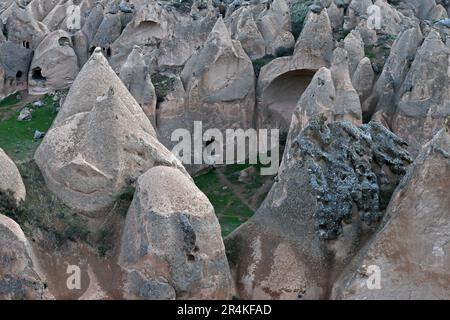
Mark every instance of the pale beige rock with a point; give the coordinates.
(54, 65)
(14, 64)
(412, 249)
(363, 79)
(100, 142)
(24, 29)
(274, 24)
(219, 79)
(347, 105)
(354, 46)
(135, 74)
(394, 72)
(244, 28)
(424, 97)
(20, 275)
(314, 47)
(171, 245)
(438, 12)
(10, 179)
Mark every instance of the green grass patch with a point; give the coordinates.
(17, 137)
(230, 210)
(10, 100)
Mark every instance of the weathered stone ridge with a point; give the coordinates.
(346, 166)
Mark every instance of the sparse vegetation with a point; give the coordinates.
(259, 63)
(163, 85)
(17, 137)
(299, 10)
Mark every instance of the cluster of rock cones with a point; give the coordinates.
(364, 177)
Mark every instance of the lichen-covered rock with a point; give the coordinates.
(330, 194)
(412, 249)
(100, 142)
(171, 245)
(55, 64)
(10, 179)
(20, 275)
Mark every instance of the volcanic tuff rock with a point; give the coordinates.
(171, 245)
(218, 79)
(10, 178)
(412, 248)
(100, 142)
(20, 276)
(424, 97)
(54, 65)
(135, 74)
(330, 194)
(282, 82)
(330, 93)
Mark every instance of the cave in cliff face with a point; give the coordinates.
(280, 97)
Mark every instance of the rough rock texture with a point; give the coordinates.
(10, 178)
(412, 248)
(171, 246)
(54, 65)
(135, 74)
(424, 98)
(100, 142)
(20, 277)
(330, 93)
(394, 71)
(331, 192)
(315, 45)
(219, 80)
(243, 28)
(363, 79)
(274, 24)
(282, 82)
(14, 64)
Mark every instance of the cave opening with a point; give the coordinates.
(36, 74)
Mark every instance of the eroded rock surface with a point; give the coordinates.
(100, 142)
(331, 192)
(412, 248)
(20, 276)
(171, 245)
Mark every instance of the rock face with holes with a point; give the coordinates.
(412, 248)
(171, 245)
(219, 80)
(135, 74)
(100, 142)
(331, 192)
(54, 65)
(10, 179)
(282, 82)
(20, 275)
(14, 64)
